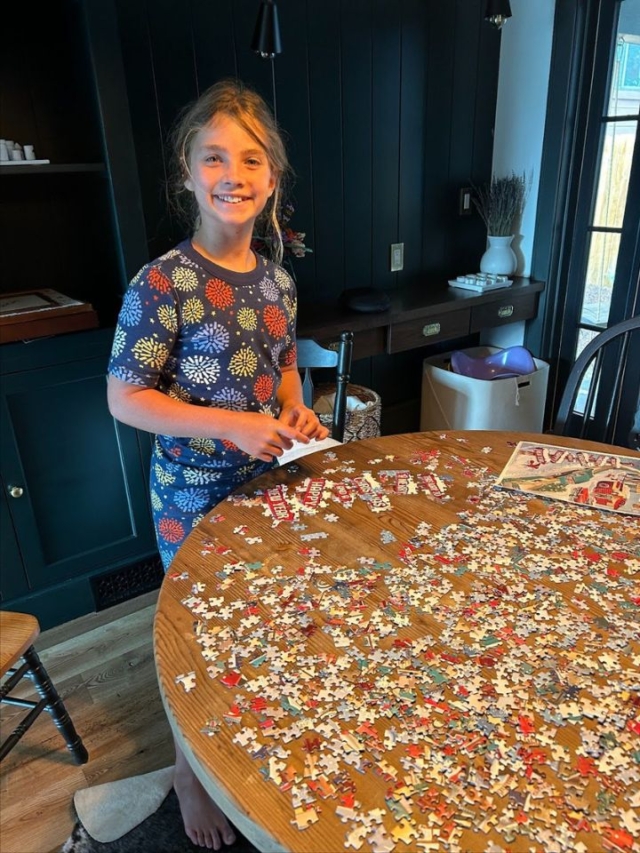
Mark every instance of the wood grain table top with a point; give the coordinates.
(377, 649)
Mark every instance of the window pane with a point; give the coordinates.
(601, 272)
(625, 81)
(584, 337)
(615, 168)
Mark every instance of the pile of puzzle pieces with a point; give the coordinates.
(485, 674)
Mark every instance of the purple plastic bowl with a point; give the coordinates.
(511, 361)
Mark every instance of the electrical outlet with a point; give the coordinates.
(464, 202)
(397, 257)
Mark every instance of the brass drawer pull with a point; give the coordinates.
(431, 329)
(505, 311)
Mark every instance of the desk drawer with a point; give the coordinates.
(427, 330)
(368, 342)
(508, 309)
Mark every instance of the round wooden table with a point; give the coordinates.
(377, 649)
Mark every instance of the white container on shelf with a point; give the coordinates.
(453, 401)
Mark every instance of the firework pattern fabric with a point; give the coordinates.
(210, 337)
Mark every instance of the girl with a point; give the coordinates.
(204, 350)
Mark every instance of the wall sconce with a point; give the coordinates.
(266, 36)
(497, 12)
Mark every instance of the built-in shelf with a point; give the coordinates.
(52, 169)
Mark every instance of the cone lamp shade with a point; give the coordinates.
(266, 36)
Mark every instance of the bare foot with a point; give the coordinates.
(204, 823)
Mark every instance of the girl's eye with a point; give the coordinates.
(212, 158)
(253, 161)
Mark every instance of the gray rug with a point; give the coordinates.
(162, 832)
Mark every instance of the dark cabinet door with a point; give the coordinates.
(13, 581)
(74, 479)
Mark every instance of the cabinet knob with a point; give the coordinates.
(431, 329)
(16, 491)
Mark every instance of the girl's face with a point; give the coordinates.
(230, 176)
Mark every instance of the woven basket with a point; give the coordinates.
(362, 423)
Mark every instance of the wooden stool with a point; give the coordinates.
(18, 632)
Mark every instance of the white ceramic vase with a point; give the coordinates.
(499, 259)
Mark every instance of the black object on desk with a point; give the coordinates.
(367, 300)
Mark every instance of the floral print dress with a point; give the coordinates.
(210, 337)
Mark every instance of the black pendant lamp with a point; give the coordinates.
(497, 12)
(266, 36)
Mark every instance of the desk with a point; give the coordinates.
(422, 314)
(380, 651)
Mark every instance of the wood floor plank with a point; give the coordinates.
(108, 641)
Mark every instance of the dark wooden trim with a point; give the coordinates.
(571, 148)
(561, 155)
(113, 104)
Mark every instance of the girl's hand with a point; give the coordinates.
(303, 419)
(262, 436)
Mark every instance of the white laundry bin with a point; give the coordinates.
(452, 401)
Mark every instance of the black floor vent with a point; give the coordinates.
(128, 582)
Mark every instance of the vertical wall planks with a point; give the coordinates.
(357, 122)
(139, 67)
(460, 245)
(386, 51)
(171, 37)
(486, 95)
(130, 235)
(485, 102)
(251, 68)
(292, 96)
(325, 104)
(171, 43)
(439, 106)
(214, 42)
(413, 97)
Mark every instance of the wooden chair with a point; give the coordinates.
(310, 356)
(18, 633)
(611, 411)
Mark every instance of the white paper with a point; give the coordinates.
(301, 449)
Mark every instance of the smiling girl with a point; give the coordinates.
(204, 352)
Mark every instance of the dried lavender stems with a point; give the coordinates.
(501, 202)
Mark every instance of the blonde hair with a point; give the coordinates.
(240, 103)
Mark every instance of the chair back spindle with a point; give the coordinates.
(312, 356)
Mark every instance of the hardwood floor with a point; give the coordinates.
(102, 666)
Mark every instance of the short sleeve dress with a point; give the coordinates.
(210, 337)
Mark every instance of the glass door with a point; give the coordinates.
(602, 286)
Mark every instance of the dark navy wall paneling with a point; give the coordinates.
(484, 100)
(388, 108)
(413, 123)
(214, 41)
(139, 64)
(462, 137)
(291, 73)
(357, 141)
(439, 105)
(385, 82)
(327, 159)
